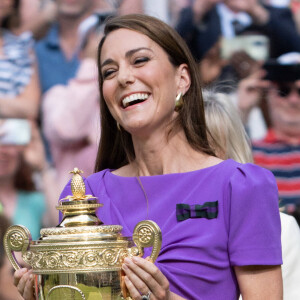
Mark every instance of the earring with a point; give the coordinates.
(178, 102)
(118, 126)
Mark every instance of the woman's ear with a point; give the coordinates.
(184, 79)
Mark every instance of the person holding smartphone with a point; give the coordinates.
(201, 23)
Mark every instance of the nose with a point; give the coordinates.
(125, 76)
(294, 97)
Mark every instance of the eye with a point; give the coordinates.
(141, 60)
(107, 73)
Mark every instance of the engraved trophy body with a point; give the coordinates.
(81, 258)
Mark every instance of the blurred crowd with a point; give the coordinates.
(248, 50)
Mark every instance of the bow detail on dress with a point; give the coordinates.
(208, 210)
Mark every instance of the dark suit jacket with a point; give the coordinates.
(280, 29)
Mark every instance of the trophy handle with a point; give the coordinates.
(147, 234)
(17, 238)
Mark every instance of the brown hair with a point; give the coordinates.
(116, 147)
(13, 20)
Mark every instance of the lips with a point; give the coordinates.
(134, 99)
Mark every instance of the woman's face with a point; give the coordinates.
(6, 8)
(139, 82)
(284, 107)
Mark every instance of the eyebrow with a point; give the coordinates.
(127, 54)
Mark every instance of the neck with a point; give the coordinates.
(68, 34)
(67, 26)
(288, 136)
(160, 154)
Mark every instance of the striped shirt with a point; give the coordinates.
(15, 63)
(284, 161)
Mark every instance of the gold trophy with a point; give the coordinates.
(80, 259)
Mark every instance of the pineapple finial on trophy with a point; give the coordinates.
(78, 209)
(77, 185)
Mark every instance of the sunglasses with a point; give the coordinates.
(285, 90)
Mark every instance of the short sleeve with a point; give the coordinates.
(254, 222)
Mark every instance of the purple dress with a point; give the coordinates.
(198, 253)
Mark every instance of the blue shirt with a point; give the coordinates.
(54, 67)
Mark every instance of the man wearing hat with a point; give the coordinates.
(279, 150)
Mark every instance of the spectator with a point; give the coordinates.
(279, 149)
(229, 140)
(227, 135)
(71, 116)
(203, 22)
(199, 25)
(57, 53)
(19, 88)
(21, 202)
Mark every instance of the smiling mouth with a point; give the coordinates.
(134, 99)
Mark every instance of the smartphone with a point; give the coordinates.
(15, 132)
(256, 46)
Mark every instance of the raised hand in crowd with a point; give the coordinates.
(250, 91)
(254, 8)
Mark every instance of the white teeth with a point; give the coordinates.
(134, 97)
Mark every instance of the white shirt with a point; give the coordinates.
(227, 16)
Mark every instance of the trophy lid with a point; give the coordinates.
(79, 219)
(78, 209)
